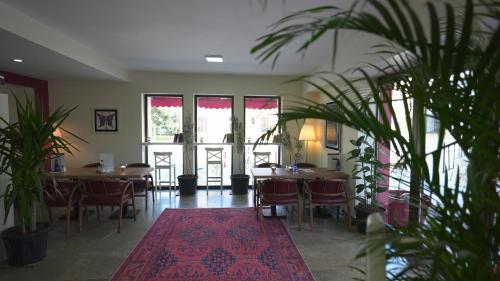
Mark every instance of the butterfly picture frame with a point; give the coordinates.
(106, 120)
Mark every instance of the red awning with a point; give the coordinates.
(214, 102)
(261, 103)
(166, 102)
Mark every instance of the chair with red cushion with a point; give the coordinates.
(107, 193)
(64, 194)
(282, 192)
(142, 186)
(326, 192)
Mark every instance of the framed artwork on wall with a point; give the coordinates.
(333, 133)
(105, 120)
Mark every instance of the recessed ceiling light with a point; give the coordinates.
(214, 58)
(17, 60)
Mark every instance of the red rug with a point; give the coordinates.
(214, 244)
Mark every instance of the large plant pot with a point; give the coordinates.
(187, 184)
(239, 184)
(23, 249)
(362, 214)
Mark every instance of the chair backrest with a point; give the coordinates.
(214, 155)
(163, 159)
(327, 187)
(61, 193)
(268, 165)
(91, 165)
(138, 165)
(105, 187)
(306, 165)
(279, 187)
(261, 157)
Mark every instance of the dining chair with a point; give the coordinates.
(142, 186)
(214, 158)
(163, 161)
(261, 157)
(62, 194)
(255, 183)
(278, 192)
(107, 193)
(326, 192)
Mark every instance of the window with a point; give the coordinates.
(261, 114)
(213, 123)
(162, 120)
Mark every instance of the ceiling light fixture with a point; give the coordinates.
(17, 60)
(214, 58)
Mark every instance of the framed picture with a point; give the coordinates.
(106, 120)
(333, 133)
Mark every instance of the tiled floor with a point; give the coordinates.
(98, 250)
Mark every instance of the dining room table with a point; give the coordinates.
(84, 174)
(287, 173)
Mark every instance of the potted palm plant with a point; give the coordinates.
(24, 147)
(240, 180)
(443, 57)
(188, 182)
(367, 170)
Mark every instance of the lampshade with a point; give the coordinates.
(307, 133)
(57, 133)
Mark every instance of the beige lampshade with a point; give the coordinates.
(307, 133)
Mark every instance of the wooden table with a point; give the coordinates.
(91, 173)
(83, 174)
(304, 174)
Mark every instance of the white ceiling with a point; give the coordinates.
(155, 35)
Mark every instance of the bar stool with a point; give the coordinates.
(214, 157)
(163, 161)
(261, 157)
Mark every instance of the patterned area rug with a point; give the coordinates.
(214, 244)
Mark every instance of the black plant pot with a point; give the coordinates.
(239, 184)
(362, 214)
(187, 184)
(23, 249)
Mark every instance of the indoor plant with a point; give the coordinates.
(188, 182)
(366, 170)
(24, 147)
(445, 63)
(240, 180)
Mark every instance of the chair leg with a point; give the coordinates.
(80, 218)
(68, 220)
(311, 216)
(86, 214)
(133, 207)
(98, 213)
(120, 214)
(261, 217)
(338, 212)
(146, 199)
(348, 216)
(300, 217)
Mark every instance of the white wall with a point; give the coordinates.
(127, 98)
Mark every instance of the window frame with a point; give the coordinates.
(145, 116)
(244, 123)
(195, 109)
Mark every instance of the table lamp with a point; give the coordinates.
(307, 134)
